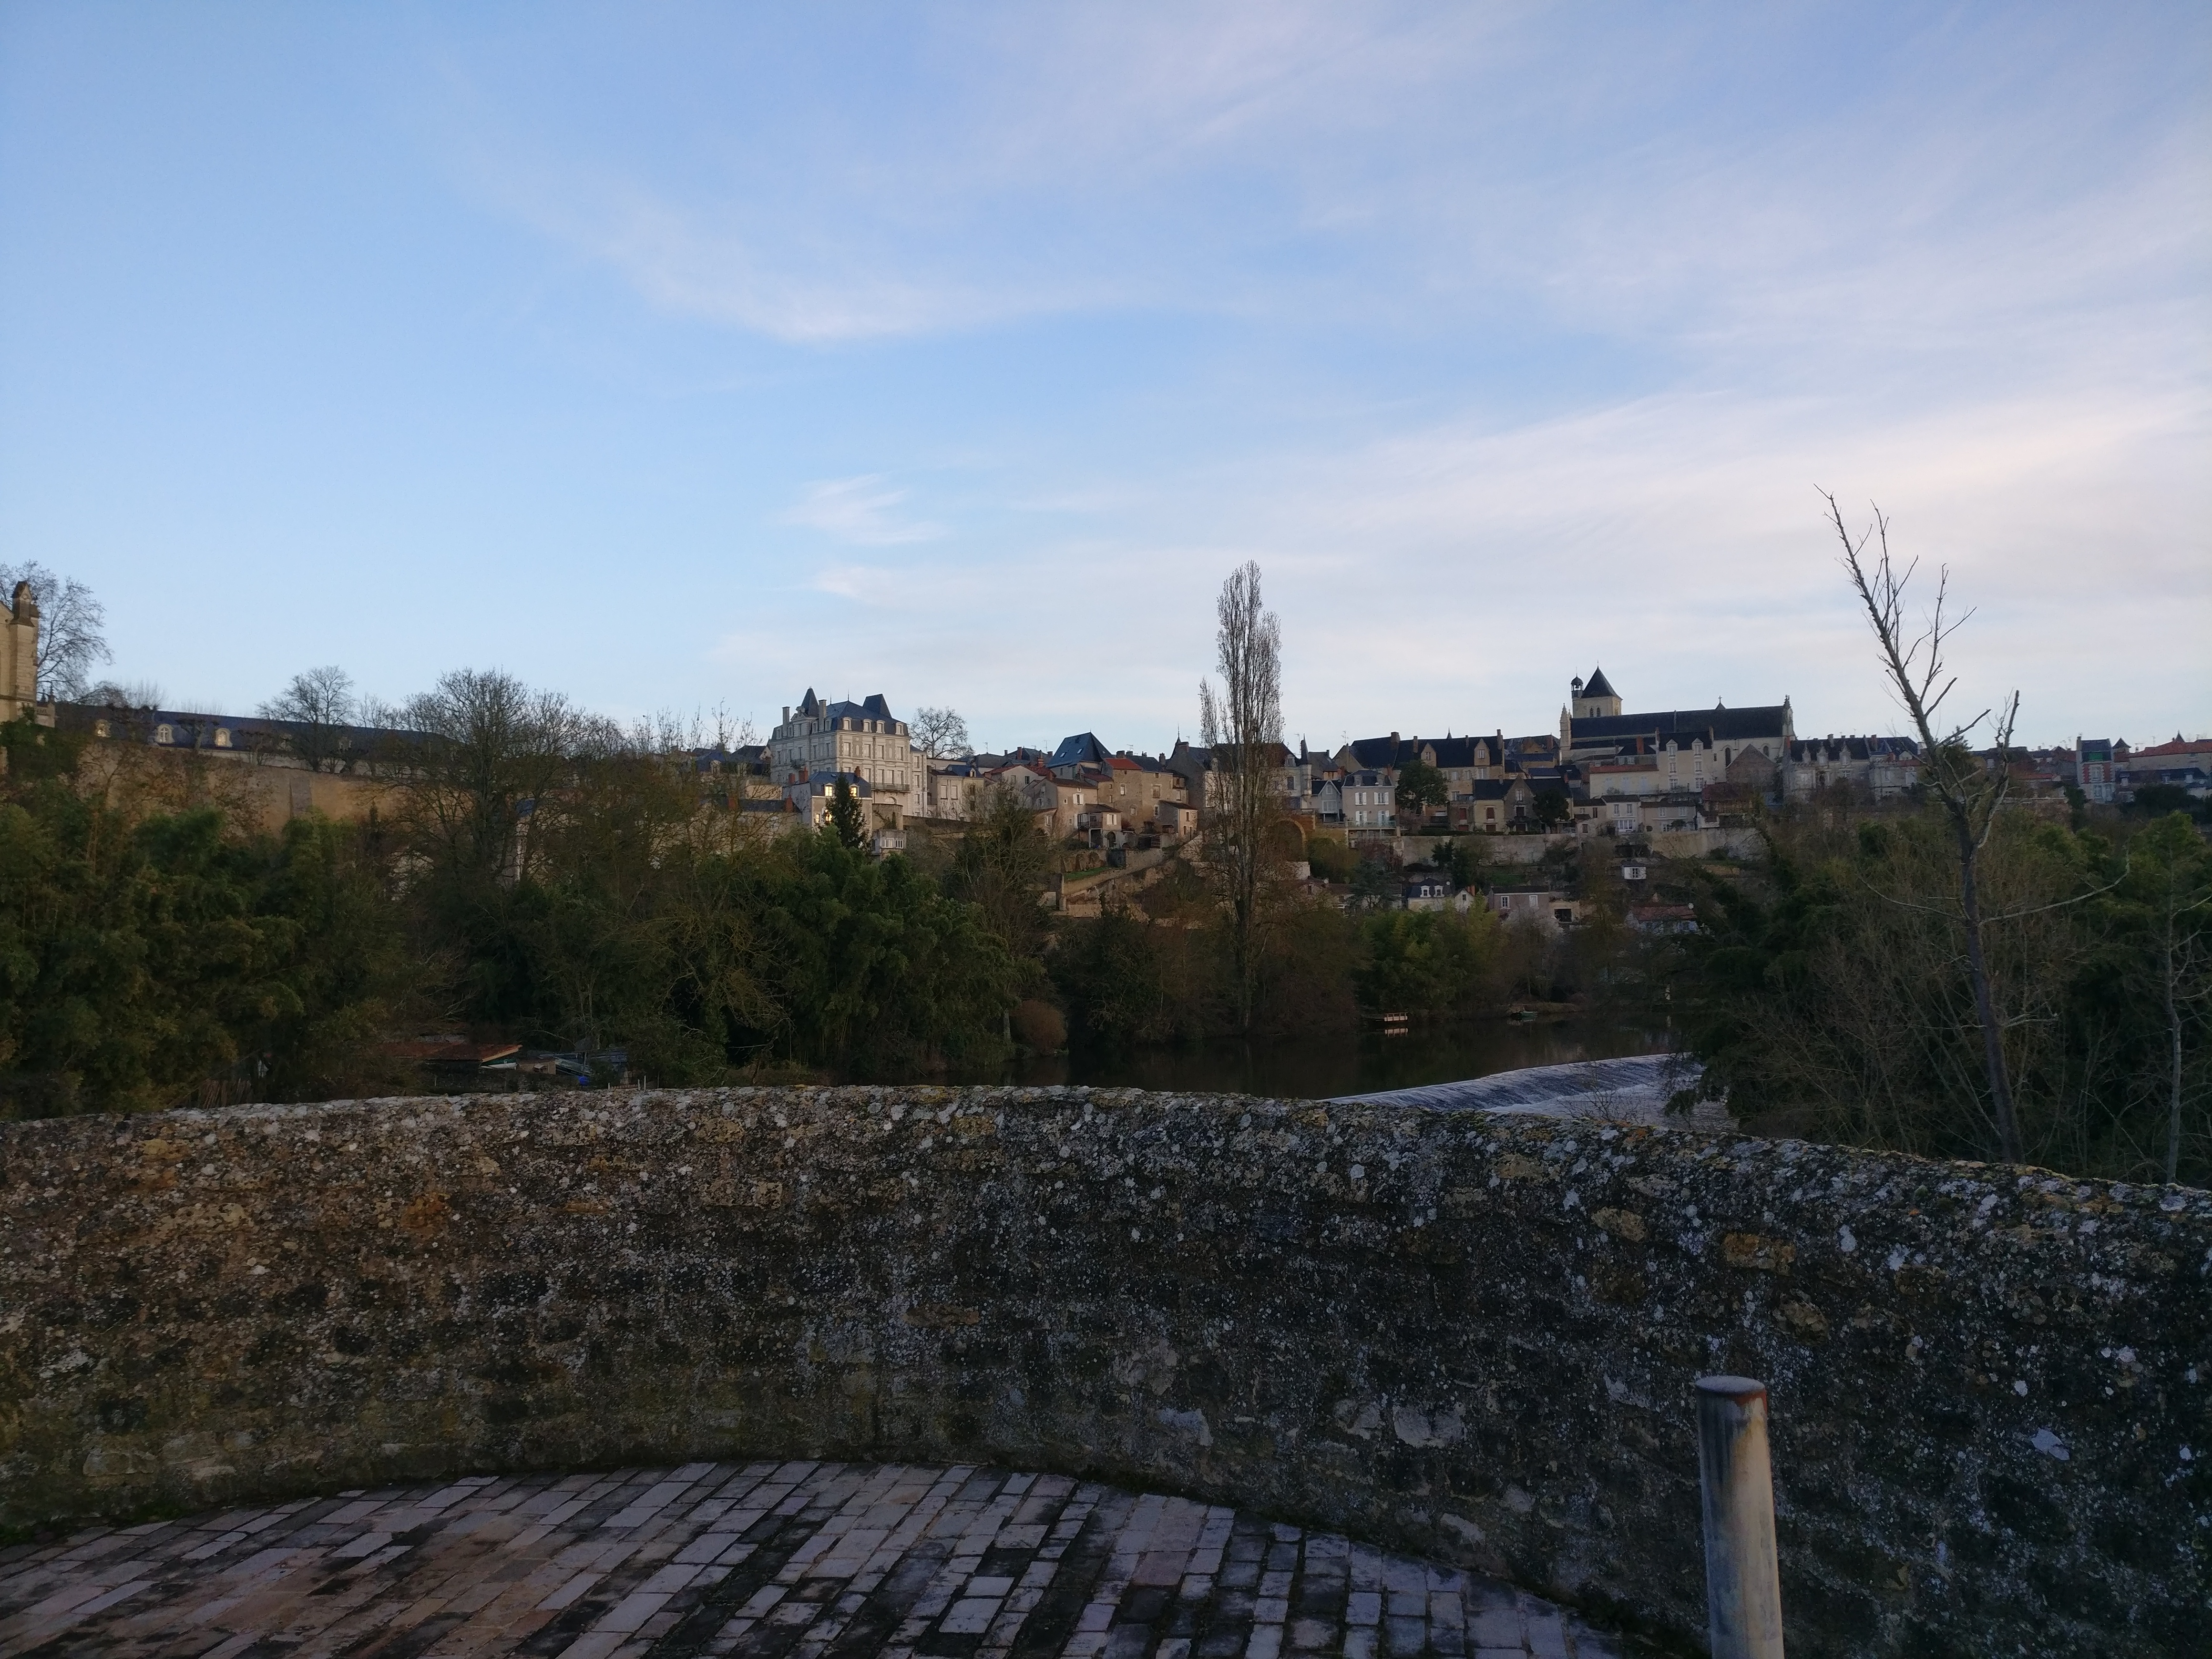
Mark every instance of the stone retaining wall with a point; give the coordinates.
(1469, 1336)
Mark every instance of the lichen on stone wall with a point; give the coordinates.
(1470, 1335)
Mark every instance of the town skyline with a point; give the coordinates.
(677, 362)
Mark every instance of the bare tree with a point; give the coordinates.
(493, 751)
(1971, 794)
(321, 696)
(71, 621)
(940, 732)
(2171, 887)
(139, 693)
(320, 702)
(1242, 725)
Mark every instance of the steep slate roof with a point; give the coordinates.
(1391, 752)
(1458, 751)
(1597, 685)
(191, 730)
(1721, 725)
(1855, 749)
(1075, 750)
(874, 709)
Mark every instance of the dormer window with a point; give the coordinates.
(222, 736)
(164, 734)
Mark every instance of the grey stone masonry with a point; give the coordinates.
(792, 1560)
(1463, 1336)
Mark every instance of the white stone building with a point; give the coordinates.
(821, 739)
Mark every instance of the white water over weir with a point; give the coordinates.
(1632, 1089)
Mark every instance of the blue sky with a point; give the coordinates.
(682, 355)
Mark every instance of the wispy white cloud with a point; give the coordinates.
(1694, 265)
(860, 510)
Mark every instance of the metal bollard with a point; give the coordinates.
(1743, 1585)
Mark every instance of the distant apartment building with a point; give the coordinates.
(1132, 786)
(2183, 764)
(1370, 803)
(1877, 768)
(954, 789)
(1137, 786)
(860, 739)
(2093, 769)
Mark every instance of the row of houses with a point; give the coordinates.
(1606, 770)
(2106, 770)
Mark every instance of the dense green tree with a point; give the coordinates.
(1002, 866)
(847, 822)
(2158, 800)
(1428, 962)
(162, 963)
(1461, 859)
(878, 970)
(1829, 987)
(1421, 786)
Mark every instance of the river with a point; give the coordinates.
(1318, 1067)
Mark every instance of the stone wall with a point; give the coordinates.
(1470, 1336)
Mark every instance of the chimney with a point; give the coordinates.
(786, 713)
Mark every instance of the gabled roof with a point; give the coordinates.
(1083, 746)
(1597, 685)
(1459, 751)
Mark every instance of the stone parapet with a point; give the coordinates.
(1471, 1336)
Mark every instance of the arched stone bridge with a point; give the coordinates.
(1466, 1338)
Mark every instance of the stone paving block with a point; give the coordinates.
(761, 1560)
(1403, 1637)
(1547, 1637)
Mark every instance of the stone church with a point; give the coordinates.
(1592, 727)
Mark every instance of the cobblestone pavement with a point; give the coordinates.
(770, 1561)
